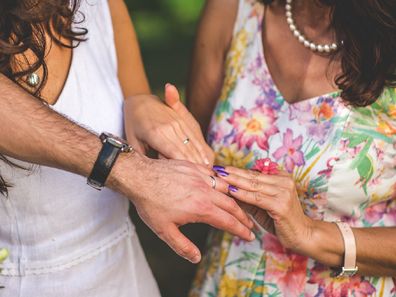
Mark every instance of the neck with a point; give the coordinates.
(312, 14)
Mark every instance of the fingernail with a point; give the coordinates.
(217, 167)
(252, 236)
(232, 189)
(222, 173)
(196, 259)
(206, 161)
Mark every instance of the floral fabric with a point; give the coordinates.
(343, 160)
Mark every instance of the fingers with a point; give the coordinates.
(172, 99)
(177, 149)
(254, 198)
(254, 183)
(251, 174)
(181, 244)
(231, 206)
(216, 183)
(221, 219)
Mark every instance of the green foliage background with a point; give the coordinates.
(166, 31)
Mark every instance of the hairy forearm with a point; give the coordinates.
(32, 132)
(375, 248)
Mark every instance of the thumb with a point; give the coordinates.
(181, 244)
(172, 98)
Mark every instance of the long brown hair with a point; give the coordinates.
(24, 25)
(367, 30)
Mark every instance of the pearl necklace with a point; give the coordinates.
(301, 38)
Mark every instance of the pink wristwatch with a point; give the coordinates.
(349, 269)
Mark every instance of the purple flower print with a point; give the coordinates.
(318, 131)
(301, 112)
(290, 151)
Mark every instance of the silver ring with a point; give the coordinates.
(186, 141)
(214, 182)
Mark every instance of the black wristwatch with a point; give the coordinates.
(111, 149)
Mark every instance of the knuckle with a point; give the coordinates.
(253, 174)
(232, 224)
(255, 183)
(233, 206)
(289, 183)
(185, 250)
(257, 196)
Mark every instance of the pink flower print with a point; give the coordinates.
(284, 268)
(394, 288)
(266, 166)
(330, 164)
(374, 213)
(290, 151)
(253, 126)
(339, 287)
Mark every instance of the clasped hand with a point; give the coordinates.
(273, 201)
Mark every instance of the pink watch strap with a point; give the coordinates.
(350, 267)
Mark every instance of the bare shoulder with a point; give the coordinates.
(217, 22)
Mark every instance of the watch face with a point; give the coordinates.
(114, 140)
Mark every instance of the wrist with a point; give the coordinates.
(128, 173)
(324, 243)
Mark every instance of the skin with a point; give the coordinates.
(166, 193)
(302, 75)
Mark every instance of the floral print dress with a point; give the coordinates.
(343, 160)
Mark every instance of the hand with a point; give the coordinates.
(169, 194)
(165, 129)
(172, 99)
(277, 196)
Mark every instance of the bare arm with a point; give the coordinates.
(147, 119)
(322, 241)
(32, 132)
(207, 71)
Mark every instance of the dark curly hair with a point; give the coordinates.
(367, 29)
(24, 25)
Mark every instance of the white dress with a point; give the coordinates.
(65, 238)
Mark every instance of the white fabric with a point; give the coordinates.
(65, 238)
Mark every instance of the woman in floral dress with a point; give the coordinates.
(327, 115)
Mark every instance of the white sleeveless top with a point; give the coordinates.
(65, 238)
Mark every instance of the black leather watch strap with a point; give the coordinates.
(103, 165)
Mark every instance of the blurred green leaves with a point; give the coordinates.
(166, 32)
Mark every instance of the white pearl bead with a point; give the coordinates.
(296, 33)
(327, 48)
(301, 38)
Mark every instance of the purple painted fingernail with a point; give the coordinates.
(217, 167)
(222, 173)
(232, 189)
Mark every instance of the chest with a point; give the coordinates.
(298, 72)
